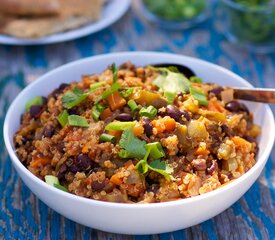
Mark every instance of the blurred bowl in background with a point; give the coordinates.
(250, 24)
(175, 14)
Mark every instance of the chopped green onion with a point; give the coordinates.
(63, 118)
(115, 71)
(115, 86)
(96, 111)
(61, 187)
(170, 96)
(104, 137)
(34, 101)
(148, 112)
(96, 85)
(195, 79)
(127, 92)
(51, 180)
(156, 150)
(77, 121)
(132, 105)
(198, 95)
(119, 126)
(73, 98)
(142, 166)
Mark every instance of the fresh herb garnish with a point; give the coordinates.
(104, 137)
(149, 111)
(154, 150)
(34, 101)
(97, 85)
(170, 97)
(119, 126)
(114, 87)
(195, 79)
(77, 121)
(114, 71)
(63, 118)
(127, 92)
(132, 105)
(132, 147)
(96, 111)
(161, 167)
(200, 96)
(172, 82)
(73, 98)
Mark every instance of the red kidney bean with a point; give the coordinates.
(124, 117)
(186, 115)
(35, 111)
(232, 106)
(98, 186)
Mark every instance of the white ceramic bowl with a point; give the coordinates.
(138, 218)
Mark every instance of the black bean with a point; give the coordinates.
(217, 91)
(250, 139)
(62, 171)
(62, 86)
(35, 111)
(60, 146)
(226, 130)
(124, 117)
(243, 108)
(48, 131)
(173, 112)
(72, 111)
(212, 167)
(180, 94)
(186, 115)
(232, 106)
(83, 161)
(147, 126)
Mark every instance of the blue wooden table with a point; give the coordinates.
(23, 216)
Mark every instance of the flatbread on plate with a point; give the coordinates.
(73, 14)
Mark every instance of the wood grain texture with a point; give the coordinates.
(23, 216)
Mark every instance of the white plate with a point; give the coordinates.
(112, 11)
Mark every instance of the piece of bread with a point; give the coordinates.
(73, 13)
(30, 7)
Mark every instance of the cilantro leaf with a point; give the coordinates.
(161, 167)
(132, 146)
(172, 82)
(73, 98)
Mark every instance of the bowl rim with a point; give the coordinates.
(116, 56)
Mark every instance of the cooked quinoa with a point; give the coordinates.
(137, 135)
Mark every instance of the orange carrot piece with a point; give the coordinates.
(39, 161)
(116, 101)
(116, 179)
(215, 107)
(115, 133)
(170, 123)
(201, 151)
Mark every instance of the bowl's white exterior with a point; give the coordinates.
(138, 218)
